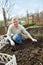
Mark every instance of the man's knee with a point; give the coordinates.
(17, 38)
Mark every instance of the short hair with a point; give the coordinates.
(14, 18)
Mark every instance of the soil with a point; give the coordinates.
(28, 53)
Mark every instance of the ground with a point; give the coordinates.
(28, 53)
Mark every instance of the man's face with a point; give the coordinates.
(15, 21)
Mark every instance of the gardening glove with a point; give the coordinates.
(34, 40)
(12, 43)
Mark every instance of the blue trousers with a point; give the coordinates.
(17, 38)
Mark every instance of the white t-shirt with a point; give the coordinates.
(12, 30)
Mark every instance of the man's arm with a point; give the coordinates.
(9, 34)
(11, 41)
(27, 34)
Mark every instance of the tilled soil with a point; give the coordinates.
(28, 53)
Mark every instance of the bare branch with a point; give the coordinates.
(6, 1)
(7, 5)
(10, 6)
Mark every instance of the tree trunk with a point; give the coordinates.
(4, 16)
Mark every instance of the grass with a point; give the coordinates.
(34, 26)
(38, 35)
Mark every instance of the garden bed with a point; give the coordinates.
(28, 53)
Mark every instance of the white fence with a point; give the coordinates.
(7, 59)
(3, 41)
(2, 45)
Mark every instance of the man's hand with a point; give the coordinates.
(12, 43)
(34, 40)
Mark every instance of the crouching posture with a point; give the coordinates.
(16, 33)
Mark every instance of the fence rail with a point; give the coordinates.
(7, 59)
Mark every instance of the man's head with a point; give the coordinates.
(15, 22)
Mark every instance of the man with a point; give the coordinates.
(17, 32)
